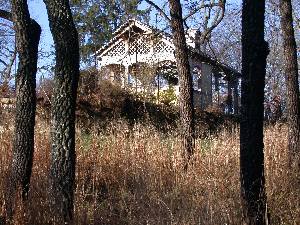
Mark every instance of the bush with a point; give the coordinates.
(168, 97)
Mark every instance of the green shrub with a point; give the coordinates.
(168, 97)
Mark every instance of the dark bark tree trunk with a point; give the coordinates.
(63, 157)
(186, 102)
(27, 39)
(254, 55)
(292, 84)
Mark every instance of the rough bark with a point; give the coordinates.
(62, 168)
(254, 54)
(27, 39)
(185, 79)
(292, 84)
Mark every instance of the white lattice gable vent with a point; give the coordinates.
(139, 45)
(119, 33)
(163, 47)
(134, 43)
(117, 50)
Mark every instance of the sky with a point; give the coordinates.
(38, 12)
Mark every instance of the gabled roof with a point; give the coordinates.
(146, 29)
(126, 27)
(130, 23)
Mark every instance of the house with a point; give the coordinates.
(141, 57)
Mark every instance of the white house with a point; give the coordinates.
(139, 54)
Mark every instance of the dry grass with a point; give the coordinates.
(136, 177)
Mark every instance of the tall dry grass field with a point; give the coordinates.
(135, 176)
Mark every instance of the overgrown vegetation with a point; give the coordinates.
(133, 175)
(101, 102)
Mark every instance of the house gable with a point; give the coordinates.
(136, 42)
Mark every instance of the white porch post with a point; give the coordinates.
(126, 71)
(236, 97)
(126, 76)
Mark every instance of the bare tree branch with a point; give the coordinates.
(5, 15)
(216, 21)
(297, 22)
(162, 13)
(202, 6)
(10, 65)
(6, 25)
(7, 72)
(3, 62)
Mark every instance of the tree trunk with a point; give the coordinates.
(186, 103)
(291, 77)
(63, 157)
(254, 55)
(27, 39)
